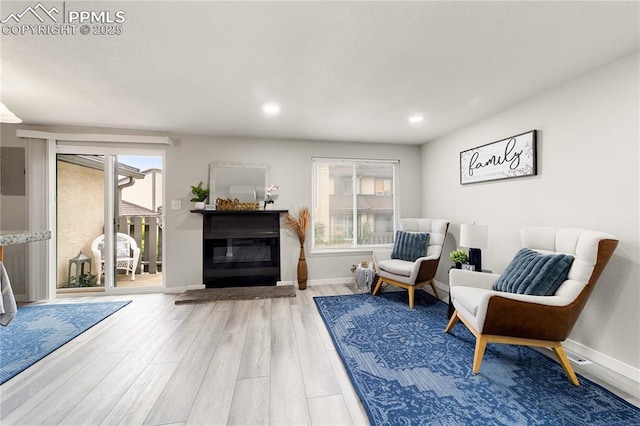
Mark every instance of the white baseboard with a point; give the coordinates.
(20, 297)
(604, 360)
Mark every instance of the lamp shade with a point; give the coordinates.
(473, 236)
(7, 116)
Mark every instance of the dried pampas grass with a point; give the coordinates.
(300, 224)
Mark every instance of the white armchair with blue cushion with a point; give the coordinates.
(413, 261)
(538, 298)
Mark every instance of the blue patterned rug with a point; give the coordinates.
(38, 330)
(408, 371)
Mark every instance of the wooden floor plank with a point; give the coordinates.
(135, 405)
(213, 402)
(58, 404)
(176, 347)
(239, 319)
(174, 403)
(329, 410)
(287, 397)
(256, 355)
(280, 309)
(319, 379)
(250, 406)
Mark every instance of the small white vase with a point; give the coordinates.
(199, 205)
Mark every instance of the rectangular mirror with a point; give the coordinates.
(245, 182)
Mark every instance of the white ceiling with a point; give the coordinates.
(348, 71)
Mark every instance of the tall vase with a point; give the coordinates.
(302, 270)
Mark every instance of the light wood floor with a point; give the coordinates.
(257, 362)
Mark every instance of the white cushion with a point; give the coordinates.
(396, 267)
(469, 297)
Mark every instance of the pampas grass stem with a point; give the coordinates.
(299, 225)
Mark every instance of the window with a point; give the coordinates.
(353, 203)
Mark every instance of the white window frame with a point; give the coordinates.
(355, 248)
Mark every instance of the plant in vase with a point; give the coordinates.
(299, 225)
(459, 257)
(200, 195)
(271, 195)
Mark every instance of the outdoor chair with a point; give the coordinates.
(127, 254)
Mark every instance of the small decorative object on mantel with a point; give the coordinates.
(271, 195)
(235, 204)
(200, 195)
(508, 158)
(299, 227)
(459, 257)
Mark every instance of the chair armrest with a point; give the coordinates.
(136, 256)
(380, 255)
(462, 277)
(424, 268)
(520, 316)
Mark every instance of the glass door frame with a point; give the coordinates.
(110, 154)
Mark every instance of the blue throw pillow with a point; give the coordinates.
(410, 245)
(533, 273)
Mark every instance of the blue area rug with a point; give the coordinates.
(407, 371)
(38, 330)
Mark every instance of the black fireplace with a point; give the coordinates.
(241, 248)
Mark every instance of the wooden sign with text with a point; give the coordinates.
(504, 159)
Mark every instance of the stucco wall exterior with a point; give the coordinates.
(80, 214)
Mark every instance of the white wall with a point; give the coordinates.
(588, 152)
(290, 169)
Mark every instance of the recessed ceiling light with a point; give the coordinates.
(416, 119)
(271, 109)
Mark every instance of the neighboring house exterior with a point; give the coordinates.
(144, 192)
(374, 211)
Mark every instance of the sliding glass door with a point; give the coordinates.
(109, 220)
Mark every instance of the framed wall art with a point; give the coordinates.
(504, 159)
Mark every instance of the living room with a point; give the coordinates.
(586, 118)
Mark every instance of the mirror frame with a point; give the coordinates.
(215, 167)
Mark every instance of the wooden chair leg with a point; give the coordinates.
(378, 285)
(435, 289)
(564, 362)
(481, 345)
(453, 321)
(411, 291)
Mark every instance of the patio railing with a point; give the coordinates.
(147, 231)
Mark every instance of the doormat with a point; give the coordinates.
(236, 293)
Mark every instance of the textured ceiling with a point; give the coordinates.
(349, 71)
